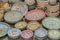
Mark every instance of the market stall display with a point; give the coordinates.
(29, 20)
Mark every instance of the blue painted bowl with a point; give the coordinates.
(14, 33)
(4, 27)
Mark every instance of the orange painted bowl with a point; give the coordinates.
(5, 6)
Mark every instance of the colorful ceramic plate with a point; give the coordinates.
(13, 16)
(35, 15)
(54, 34)
(4, 27)
(21, 25)
(14, 33)
(51, 22)
(26, 34)
(41, 33)
(33, 25)
(20, 6)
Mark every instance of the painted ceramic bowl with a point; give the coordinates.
(13, 16)
(14, 33)
(20, 6)
(26, 34)
(33, 25)
(21, 25)
(40, 33)
(52, 10)
(5, 6)
(51, 22)
(54, 34)
(4, 27)
(35, 15)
